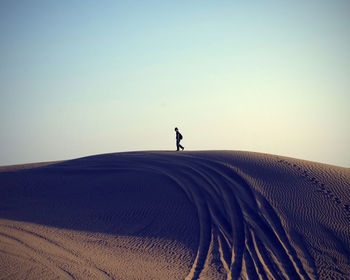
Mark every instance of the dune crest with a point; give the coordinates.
(167, 215)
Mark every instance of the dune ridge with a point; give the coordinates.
(167, 215)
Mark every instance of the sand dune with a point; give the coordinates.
(167, 215)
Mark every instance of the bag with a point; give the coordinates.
(180, 136)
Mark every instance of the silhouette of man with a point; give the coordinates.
(178, 139)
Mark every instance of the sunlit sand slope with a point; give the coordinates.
(167, 215)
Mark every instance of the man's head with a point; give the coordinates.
(176, 129)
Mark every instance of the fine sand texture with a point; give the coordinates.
(175, 215)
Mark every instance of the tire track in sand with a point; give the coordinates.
(251, 239)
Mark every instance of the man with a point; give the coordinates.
(178, 139)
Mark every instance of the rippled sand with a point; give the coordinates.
(167, 215)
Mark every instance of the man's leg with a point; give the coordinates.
(177, 145)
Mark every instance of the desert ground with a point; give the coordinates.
(175, 215)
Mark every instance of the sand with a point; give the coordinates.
(167, 215)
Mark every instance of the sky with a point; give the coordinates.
(79, 78)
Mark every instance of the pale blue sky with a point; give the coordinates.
(88, 77)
